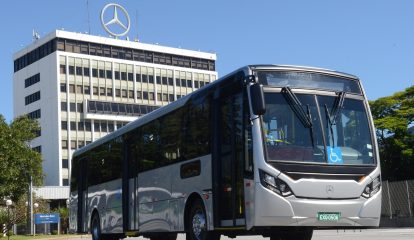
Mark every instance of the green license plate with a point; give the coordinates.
(329, 216)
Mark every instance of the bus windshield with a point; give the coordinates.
(322, 133)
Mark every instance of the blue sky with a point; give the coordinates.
(373, 39)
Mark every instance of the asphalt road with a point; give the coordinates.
(371, 234)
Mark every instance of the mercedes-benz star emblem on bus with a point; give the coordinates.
(117, 25)
(329, 189)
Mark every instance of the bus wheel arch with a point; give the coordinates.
(187, 209)
(196, 220)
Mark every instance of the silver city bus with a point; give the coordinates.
(267, 150)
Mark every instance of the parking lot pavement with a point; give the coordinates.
(365, 234)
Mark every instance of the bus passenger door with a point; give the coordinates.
(228, 159)
(130, 183)
(82, 196)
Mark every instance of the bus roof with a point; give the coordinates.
(182, 101)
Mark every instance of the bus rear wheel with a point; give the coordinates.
(294, 234)
(197, 224)
(96, 227)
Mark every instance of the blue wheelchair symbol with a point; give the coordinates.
(335, 155)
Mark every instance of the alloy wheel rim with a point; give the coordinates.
(199, 225)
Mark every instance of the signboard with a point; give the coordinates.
(47, 218)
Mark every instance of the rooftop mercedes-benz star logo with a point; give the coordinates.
(116, 23)
(329, 189)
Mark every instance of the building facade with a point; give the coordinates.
(81, 87)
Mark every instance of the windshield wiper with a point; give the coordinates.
(296, 106)
(336, 109)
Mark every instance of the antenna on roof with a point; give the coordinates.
(35, 35)
(136, 22)
(89, 22)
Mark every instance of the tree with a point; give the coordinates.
(392, 117)
(17, 160)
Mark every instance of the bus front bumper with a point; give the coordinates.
(272, 209)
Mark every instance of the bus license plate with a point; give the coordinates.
(329, 216)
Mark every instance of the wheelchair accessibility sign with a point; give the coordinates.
(334, 155)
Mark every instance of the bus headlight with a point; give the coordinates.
(372, 188)
(274, 184)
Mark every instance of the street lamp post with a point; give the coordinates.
(8, 204)
(35, 205)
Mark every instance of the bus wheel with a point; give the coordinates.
(197, 224)
(96, 227)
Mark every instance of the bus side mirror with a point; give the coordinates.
(257, 99)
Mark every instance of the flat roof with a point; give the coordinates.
(113, 42)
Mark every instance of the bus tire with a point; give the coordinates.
(295, 234)
(197, 223)
(96, 227)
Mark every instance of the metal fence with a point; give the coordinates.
(397, 203)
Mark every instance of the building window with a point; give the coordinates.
(88, 126)
(73, 126)
(102, 91)
(165, 97)
(31, 80)
(109, 74)
(101, 73)
(37, 149)
(86, 71)
(64, 125)
(81, 143)
(65, 182)
(139, 96)
(189, 84)
(158, 80)
(117, 92)
(63, 87)
(79, 107)
(131, 94)
(96, 126)
(86, 90)
(164, 81)
(109, 92)
(117, 75)
(104, 127)
(65, 163)
(145, 95)
(81, 126)
(171, 81)
(71, 70)
(171, 97)
(94, 72)
(130, 77)
(72, 107)
(71, 88)
(32, 98)
(63, 106)
(95, 90)
(124, 93)
(151, 96)
(79, 89)
(62, 69)
(111, 127)
(73, 144)
(79, 71)
(123, 76)
(35, 114)
(64, 144)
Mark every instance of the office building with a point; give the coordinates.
(81, 87)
